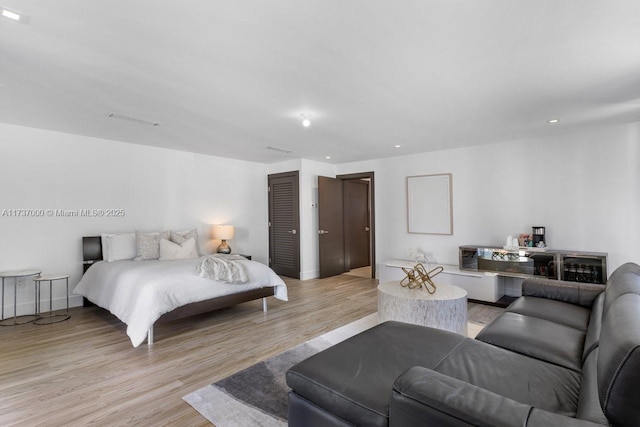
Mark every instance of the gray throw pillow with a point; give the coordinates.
(148, 245)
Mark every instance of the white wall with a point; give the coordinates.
(584, 187)
(159, 189)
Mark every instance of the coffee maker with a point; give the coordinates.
(538, 236)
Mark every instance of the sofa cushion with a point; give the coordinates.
(588, 402)
(514, 376)
(592, 339)
(539, 338)
(619, 361)
(563, 313)
(354, 379)
(582, 294)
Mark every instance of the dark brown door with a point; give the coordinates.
(330, 226)
(370, 178)
(284, 224)
(356, 202)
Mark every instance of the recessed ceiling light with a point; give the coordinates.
(554, 121)
(397, 145)
(327, 157)
(306, 120)
(14, 16)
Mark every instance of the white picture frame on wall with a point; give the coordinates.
(429, 204)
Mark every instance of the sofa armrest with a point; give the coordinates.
(422, 396)
(583, 294)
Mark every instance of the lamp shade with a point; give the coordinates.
(223, 232)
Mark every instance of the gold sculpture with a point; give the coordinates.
(418, 276)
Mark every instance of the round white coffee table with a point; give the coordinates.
(446, 309)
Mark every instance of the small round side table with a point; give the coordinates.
(16, 275)
(51, 318)
(446, 309)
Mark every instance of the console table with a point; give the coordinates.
(480, 286)
(566, 265)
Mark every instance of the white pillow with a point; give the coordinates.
(118, 246)
(170, 250)
(181, 236)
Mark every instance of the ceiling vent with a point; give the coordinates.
(279, 150)
(133, 119)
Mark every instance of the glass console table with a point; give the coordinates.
(573, 266)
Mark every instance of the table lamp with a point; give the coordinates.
(224, 233)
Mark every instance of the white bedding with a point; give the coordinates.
(139, 292)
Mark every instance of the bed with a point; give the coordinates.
(143, 293)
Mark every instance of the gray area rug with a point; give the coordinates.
(259, 392)
(257, 396)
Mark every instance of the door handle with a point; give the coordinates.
(323, 232)
(292, 231)
(366, 229)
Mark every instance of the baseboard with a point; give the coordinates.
(308, 275)
(28, 307)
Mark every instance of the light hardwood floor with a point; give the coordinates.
(360, 272)
(84, 371)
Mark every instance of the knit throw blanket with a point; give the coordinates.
(224, 268)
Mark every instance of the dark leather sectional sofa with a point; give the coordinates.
(564, 354)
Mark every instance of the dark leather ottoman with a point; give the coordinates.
(355, 377)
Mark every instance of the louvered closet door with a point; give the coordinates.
(284, 224)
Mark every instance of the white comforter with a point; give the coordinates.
(139, 292)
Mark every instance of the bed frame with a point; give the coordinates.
(92, 253)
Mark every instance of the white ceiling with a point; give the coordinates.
(230, 78)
